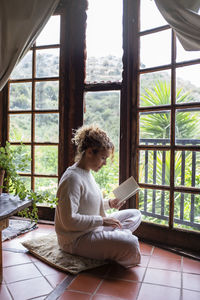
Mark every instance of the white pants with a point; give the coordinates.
(106, 243)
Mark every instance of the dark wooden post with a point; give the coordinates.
(3, 115)
(128, 131)
(72, 74)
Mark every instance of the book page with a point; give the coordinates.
(127, 189)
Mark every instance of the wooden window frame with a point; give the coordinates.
(72, 88)
(33, 112)
(173, 237)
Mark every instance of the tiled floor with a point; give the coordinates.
(162, 275)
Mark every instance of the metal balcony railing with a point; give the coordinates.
(149, 205)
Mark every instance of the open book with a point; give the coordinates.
(126, 189)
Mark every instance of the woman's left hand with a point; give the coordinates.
(115, 203)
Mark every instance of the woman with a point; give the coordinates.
(81, 224)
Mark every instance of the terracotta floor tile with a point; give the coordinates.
(104, 297)
(145, 249)
(164, 253)
(71, 295)
(20, 272)
(4, 293)
(165, 263)
(45, 228)
(39, 231)
(144, 260)
(31, 288)
(55, 279)
(119, 289)
(85, 283)
(190, 295)
(158, 292)
(163, 277)
(13, 258)
(191, 265)
(135, 274)
(45, 269)
(191, 281)
(13, 244)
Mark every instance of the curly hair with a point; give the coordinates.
(91, 136)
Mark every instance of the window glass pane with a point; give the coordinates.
(187, 211)
(20, 155)
(20, 128)
(188, 84)
(155, 49)
(46, 160)
(150, 16)
(103, 108)
(24, 68)
(155, 128)
(47, 63)
(46, 95)
(46, 128)
(187, 168)
(183, 55)
(187, 127)
(50, 33)
(20, 96)
(108, 177)
(154, 206)
(104, 40)
(155, 88)
(154, 167)
(27, 182)
(43, 185)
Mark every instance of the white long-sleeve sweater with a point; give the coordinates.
(80, 205)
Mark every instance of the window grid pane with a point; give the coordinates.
(168, 117)
(27, 100)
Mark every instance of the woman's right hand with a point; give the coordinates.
(107, 221)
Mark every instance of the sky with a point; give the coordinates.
(104, 36)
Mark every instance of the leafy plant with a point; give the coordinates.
(157, 125)
(12, 160)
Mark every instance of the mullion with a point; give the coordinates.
(168, 66)
(106, 86)
(39, 175)
(33, 121)
(176, 148)
(189, 106)
(54, 78)
(172, 135)
(180, 189)
(23, 112)
(53, 46)
(154, 30)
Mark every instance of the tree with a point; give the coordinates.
(157, 124)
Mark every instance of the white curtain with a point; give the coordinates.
(182, 16)
(21, 21)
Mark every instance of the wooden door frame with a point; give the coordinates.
(129, 136)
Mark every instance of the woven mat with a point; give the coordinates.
(17, 227)
(46, 248)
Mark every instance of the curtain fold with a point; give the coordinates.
(182, 16)
(21, 22)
